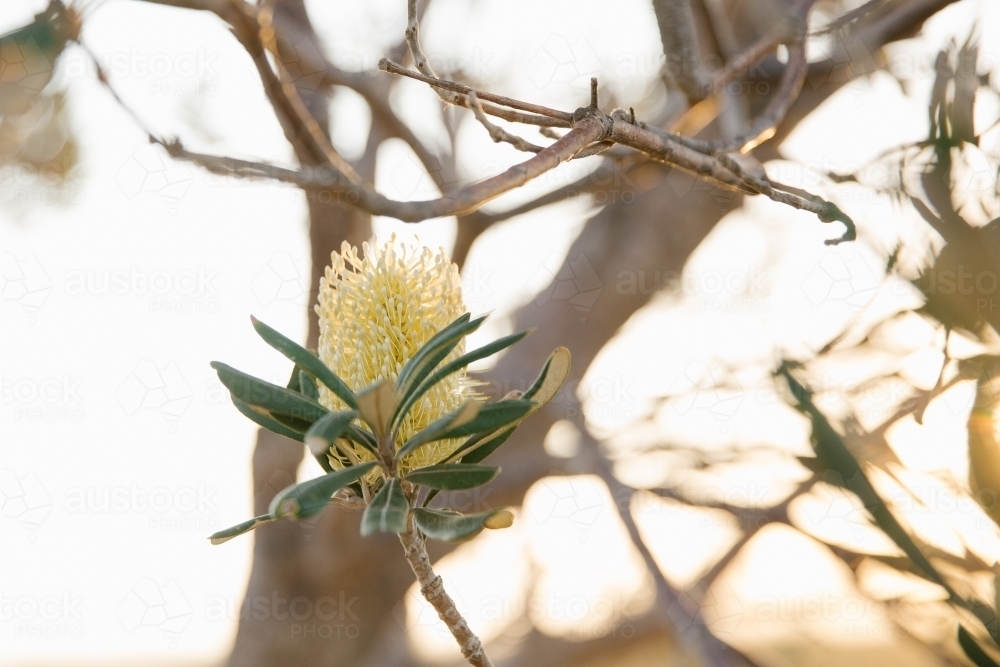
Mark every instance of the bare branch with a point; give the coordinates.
(417, 53)
(679, 36)
(284, 95)
(704, 647)
(849, 17)
(741, 64)
(462, 201)
(387, 65)
(763, 128)
(498, 134)
(432, 588)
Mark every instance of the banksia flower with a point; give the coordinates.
(375, 313)
(385, 405)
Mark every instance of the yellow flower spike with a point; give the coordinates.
(375, 312)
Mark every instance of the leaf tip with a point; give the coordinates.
(317, 445)
(500, 520)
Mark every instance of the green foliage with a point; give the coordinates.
(387, 511)
(309, 498)
(450, 526)
(452, 476)
(375, 480)
(307, 361)
(972, 649)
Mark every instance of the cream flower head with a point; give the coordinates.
(375, 313)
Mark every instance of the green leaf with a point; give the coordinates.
(972, 649)
(453, 476)
(325, 431)
(265, 419)
(376, 404)
(462, 415)
(545, 387)
(491, 417)
(240, 528)
(484, 445)
(309, 498)
(409, 399)
(387, 510)
(307, 385)
(449, 526)
(553, 374)
(845, 470)
(271, 397)
(434, 351)
(308, 361)
(361, 437)
(293, 380)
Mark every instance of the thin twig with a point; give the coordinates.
(704, 647)
(849, 17)
(498, 134)
(432, 588)
(763, 127)
(741, 64)
(264, 37)
(387, 65)
(679, 36)
(459, 202)
(420, 60)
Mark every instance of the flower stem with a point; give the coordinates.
(432, 588)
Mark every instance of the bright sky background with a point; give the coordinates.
(120, 451)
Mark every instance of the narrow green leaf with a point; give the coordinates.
(847, 472)
(973, 650)
(410, 398)
(293, 380)
(308, 361)
(434, 352)
(265, 419)
(435, 340)
(462, 415)
(309, 498)
(307, 386)
(449, 526)
(485, 445)
(554, 373)
(491, 417)
(325, 431)
(453, 476)
(271, 397)
(361, 437)
(376, 404)
(387, 510)
(545, 387)
(430, 496)
(240, 528)
(294, 423)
